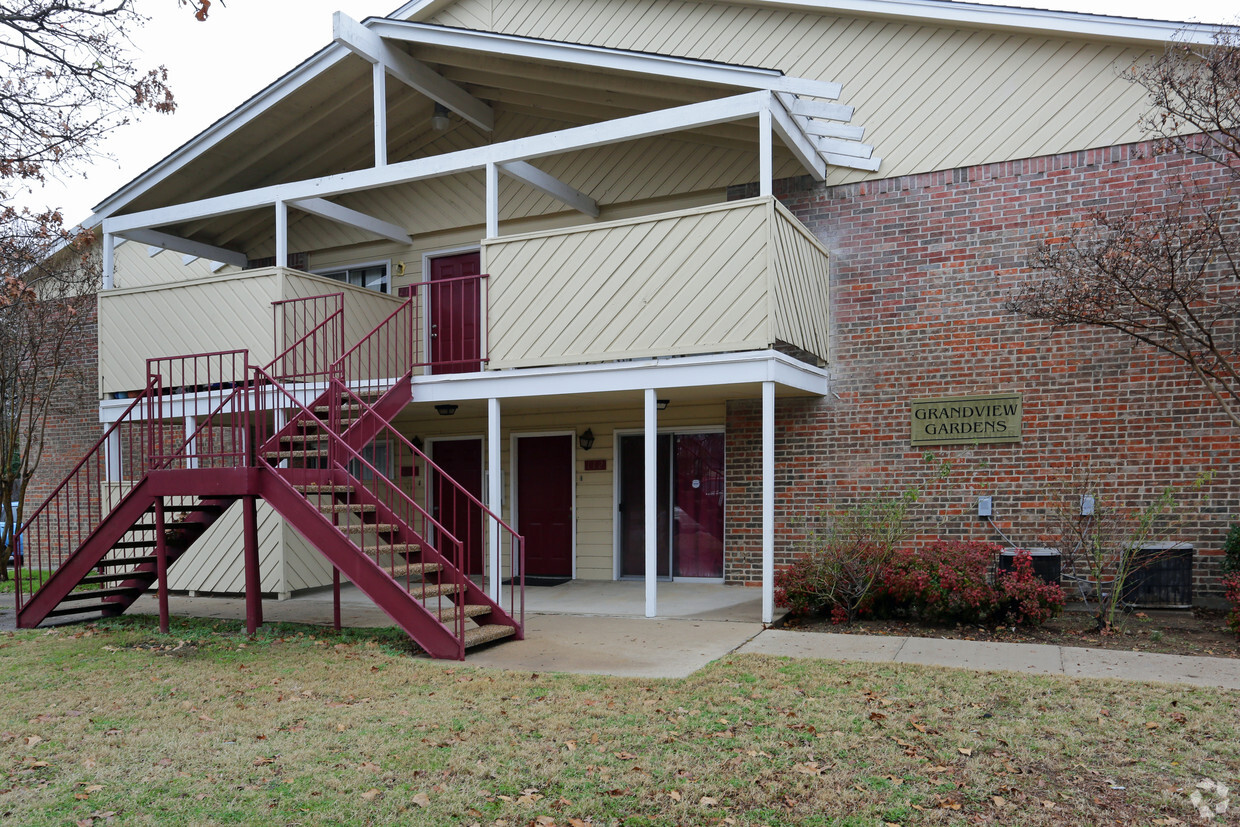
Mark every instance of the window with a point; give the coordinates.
(370, 276)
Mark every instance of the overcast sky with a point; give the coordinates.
(245, 45)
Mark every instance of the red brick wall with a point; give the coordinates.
(921, 266)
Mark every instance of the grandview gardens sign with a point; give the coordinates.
(960, 420)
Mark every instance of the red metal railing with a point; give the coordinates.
(208, 393)
(86, 495)
(309, 336)
(452, 505)
(367, 520)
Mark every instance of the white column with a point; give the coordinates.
(113, 448)
(766, 168)
(281, 234)
(191, 425)
(652, 504)
(109, 260)
(768, 502)
(380, 84)
(494, 495)
(492, 201)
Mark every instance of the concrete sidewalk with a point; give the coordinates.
(1223, 673)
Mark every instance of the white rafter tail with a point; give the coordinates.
(867, 164)
(821, 109)
(165, 241)
(352, 218)
(832, 129)
(852, 149)
(529, 174)
(790, 132)
(414, 73)
(153, 250)
(187, 259)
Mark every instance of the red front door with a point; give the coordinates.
(545, 504)
(460, 459)
(455, 313)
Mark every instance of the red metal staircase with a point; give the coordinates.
(311, 435)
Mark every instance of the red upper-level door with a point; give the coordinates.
(455, 313)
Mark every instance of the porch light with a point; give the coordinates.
(663, 403)
(418, 443)
(440, 120)
(586, 440)
(446, 409)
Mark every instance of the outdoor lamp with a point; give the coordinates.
(446, 409)
(586, 440)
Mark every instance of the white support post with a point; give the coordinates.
(492, 200)
(652, 504)
(109, 260)
(381, 151)
(113, 448)
(281, 234)
(768, 502)
(494, 495)
(191, 425)
(766, 164)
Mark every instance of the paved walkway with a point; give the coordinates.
(592, 628)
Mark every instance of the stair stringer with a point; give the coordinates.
(375, 417)
(87, 556)
(389, 595)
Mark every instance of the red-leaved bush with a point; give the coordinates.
(947, 581)
(1231, 592)
(1026, 599)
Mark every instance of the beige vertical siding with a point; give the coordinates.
(800, 285)
(931, 96)
(218, 313)
(690, 282)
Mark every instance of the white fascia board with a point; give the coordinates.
(545, 182)
(1011, 17)
(413, 73)
(632, 127)
(663, 373)
(317, 64)
(165, 241)
(598, 57)
(352, 218)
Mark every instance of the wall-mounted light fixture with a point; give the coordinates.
(586, 440)
(440, 120)
(663, 403)
(446, 409)
(418, 443)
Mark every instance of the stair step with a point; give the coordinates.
(370, 528)
(111, 578)
(420, 589)
(290, 453)
(106, 608)
(469, 610)
(125, 561)
(187, 509)
(303, 438)
(485, 634)
(99, 593)
(402, 570)
(134, 544)
(317, 488)
(340, 508)
(393, 548)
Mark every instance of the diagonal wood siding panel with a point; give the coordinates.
(216, 563)
(689, 282)
(220, 313)
(801, 284)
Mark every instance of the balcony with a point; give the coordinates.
(225, 313)
(744, 275)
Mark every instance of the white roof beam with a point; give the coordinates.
(633, 127)
(792, 136)
(529, 174)
(841, 151)
(576, 54)
(830, 129)
(352, 218)
(165, 241)
(819, 109)
(414, 73)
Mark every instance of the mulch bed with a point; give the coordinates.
(1198, 632)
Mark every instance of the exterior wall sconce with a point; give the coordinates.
(440, 120)
(663, 403)
(447, 409)
(586, 440)
(418, 443)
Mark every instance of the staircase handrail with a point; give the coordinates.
(22, 559)
(337, 368)
(181, 452)
(336, 318)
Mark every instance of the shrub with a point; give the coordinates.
(1027, 600)
(1231, 592)
(1231, 550)
(842, 557)
(948, 581)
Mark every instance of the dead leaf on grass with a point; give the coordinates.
(707, 801)
(625, 756)
(31, 740)
(674, 795)
(421, 800)
(372, 794)
(964, 751)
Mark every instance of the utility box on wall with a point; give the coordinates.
(1162, 577)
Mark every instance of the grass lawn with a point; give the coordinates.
(303, 726)
(32, 578)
